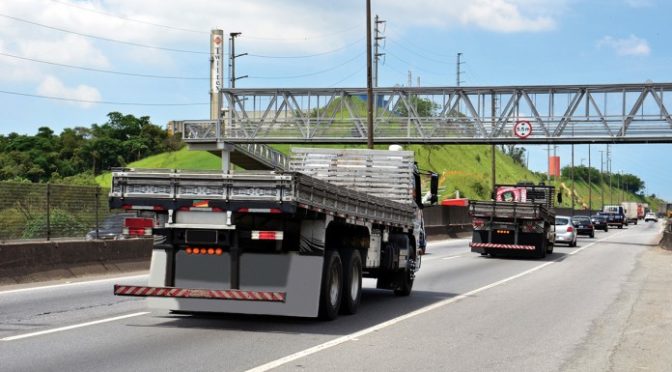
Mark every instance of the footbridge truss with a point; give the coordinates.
(617, 113)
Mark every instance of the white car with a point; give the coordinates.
(565, 232)
(650, 217)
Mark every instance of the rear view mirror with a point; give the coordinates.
(434, 188)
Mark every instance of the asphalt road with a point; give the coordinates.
(466, 313)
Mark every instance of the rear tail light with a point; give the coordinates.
(138, 226)
(267, 235)
(478, 223)
(570, 229)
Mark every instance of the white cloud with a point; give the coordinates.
(53, 87)
(630, 46)
(491, 15)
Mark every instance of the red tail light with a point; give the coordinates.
(267, 235)
(478, 223)
(138, 226)
(570, 229)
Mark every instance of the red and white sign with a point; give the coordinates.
(522, 129)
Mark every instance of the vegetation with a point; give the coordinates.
(77, 154)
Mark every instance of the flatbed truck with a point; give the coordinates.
(519, 221)
(294, 243)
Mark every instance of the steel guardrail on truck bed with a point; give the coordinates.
(168, 186)
(510, 210)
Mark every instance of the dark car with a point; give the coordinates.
(599, 222)
(583, 226)
(111, 227)
(614, 219)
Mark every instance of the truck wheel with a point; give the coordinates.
(549, 248)
(332, 279)
(404, 283)
(592, 235)
(352, 282)
(620, 226)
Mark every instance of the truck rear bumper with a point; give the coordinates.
(215, 294)
(481, 247)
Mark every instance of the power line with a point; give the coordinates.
(307, 55)
(101, 102)
(347, 77)
(129, 19)
(310, 73)
(319, 36)
(414, 66)
(414, 52)
(103, 38)
(103, 71)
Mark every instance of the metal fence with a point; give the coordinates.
(48, 211)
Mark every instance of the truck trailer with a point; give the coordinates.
(292, 243)
(518, 221)
(632, 211)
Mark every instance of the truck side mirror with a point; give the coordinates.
(560, 198)
(417, 189)
(434, 188)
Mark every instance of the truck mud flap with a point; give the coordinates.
(214, 294)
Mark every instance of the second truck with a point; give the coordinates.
(518, 221)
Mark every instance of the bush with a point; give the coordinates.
(63, 224)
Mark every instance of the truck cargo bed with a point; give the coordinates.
(173, 189)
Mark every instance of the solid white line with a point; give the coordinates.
(40, 333)
(329, 344)
(595, 242)
(451, 257)
(72, 284)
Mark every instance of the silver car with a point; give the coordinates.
(565, 232)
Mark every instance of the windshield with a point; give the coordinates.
(562, 221)
(581, 219)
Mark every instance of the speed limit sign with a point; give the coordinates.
(522, 129)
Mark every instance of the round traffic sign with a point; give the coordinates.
(522, 129)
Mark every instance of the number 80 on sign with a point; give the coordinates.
(522, 129)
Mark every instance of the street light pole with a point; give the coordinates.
(602, 176)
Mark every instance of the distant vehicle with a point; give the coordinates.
(615, 215)
(565, 231)
(631, 211)
(600, 222)
(111, 228)
(519, 221)
(650, 217)
(583, 226)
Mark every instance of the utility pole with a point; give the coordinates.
(232, 59)
(590, 185)
(376, 55)
(572, 174)
(369, 79)
(602, 176)
(493, 113)
(611, 190)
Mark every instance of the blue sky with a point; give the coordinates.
(504, 42)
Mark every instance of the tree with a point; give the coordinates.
(515, 153)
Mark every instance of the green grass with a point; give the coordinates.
(182, 159)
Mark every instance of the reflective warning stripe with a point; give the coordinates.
(218, 294)
(502, 246)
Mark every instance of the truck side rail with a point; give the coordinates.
(256, 186)
(510, 210)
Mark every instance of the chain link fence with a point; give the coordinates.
(48, 211)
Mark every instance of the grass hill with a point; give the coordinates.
(463, 168)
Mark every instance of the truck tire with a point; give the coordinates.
(549, 248)
(332, 279)
(352, 281)
(404, 283)
(542, 251)
(620, 226)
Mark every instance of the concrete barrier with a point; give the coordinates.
(22, 262)
(666, 241)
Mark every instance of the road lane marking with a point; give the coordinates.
(452, 257)
(595, 242)
(74, 326)
(353, 336)
(72, 284)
